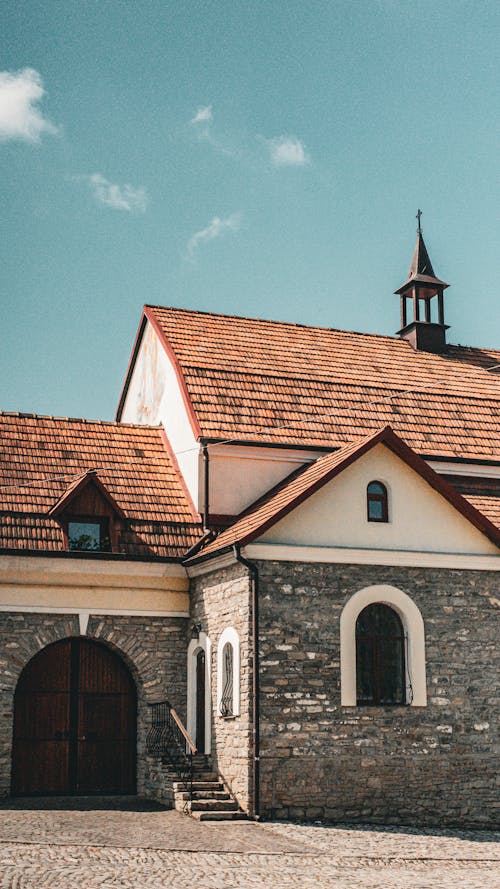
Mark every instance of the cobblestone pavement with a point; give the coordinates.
(110, 848)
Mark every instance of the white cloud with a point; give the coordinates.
(203, 115)
(215, 229)
(20, 93)
(288, 151)
(119, 197)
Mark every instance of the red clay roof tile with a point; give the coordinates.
(267, 381)
(42, 458)
(301, 484)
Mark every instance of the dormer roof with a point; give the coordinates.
(75, 488)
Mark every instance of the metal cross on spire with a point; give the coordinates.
(418, 216)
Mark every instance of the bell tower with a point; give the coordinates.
(422, 332)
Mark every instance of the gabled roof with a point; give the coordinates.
(45, 461)
(302, 484)
(77, 486)
(272, 382)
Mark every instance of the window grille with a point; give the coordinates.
(380, 657)
(226, 702)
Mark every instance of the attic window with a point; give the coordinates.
(89, 535)
(377, 502)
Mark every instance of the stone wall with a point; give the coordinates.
(219, 600)
(154, 649)
(413, 765)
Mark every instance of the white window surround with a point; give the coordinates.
(413, 625)
(229, 635)
(203, 643)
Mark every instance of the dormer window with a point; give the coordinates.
(377, 502)
(90, 518)
(89, 535)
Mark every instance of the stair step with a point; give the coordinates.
(212, 805)
(211, 794)
(234, 815)
(203, 794)
(198, 785)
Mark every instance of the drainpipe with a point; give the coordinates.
(206, 483)
(254, 574)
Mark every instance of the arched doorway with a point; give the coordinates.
(75, 712)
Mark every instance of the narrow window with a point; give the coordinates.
(376, 498)
(226, 701)
(380, 657)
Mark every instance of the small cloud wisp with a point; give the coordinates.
(119, 197)
(20, 118)
(288, 151)
(203, 115)
(214, 229)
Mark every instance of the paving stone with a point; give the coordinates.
(107, 848)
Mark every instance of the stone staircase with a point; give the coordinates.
(211, 801)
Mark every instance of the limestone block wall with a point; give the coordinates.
(414, 765)
(154, 649)
(219, 600)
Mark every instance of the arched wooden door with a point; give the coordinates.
(74, 722)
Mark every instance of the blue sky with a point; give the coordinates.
(257, 158)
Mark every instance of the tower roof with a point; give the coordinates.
(421, 267)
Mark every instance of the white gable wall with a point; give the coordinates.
(419, 518)
(154, 396)
(240, 475)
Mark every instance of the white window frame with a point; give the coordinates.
(229, 635)
(203, 643)
(413, 626)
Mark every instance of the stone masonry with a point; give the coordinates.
(410, 765)
(154, 649)
(219, 600)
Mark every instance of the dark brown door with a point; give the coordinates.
(200, 702)
(74, 722)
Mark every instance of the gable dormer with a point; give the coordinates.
(89, 516)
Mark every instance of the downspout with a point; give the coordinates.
(254, 574)
(206, 492)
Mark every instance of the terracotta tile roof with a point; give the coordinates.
(489, 506)
(301, 484)
(42, 458)
(268, 381)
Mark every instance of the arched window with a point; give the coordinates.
(380, 656)
(376, 502)
(228, 674)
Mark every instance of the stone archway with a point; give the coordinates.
(75, 717)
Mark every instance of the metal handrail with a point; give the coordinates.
(169, 739)
(189, 743)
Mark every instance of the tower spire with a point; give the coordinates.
(421, 286)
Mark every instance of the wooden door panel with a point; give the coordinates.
(106, 767)
(41, 716)
(101, 670)
(41, 767)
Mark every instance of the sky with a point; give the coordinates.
(251, 157)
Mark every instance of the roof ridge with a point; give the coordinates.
(384, 336)
(27, 415)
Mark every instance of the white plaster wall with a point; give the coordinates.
(240, 475)
(154, 397)
(419, 518)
